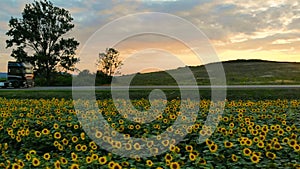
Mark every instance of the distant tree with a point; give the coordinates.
(109, 61)
(38, 38)
(85, 72)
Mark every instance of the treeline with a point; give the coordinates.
(84, 78)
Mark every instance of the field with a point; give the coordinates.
(250, 72)
(256, 133)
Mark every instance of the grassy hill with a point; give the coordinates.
(244, 72)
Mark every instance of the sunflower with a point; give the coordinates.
(83, 148)
(149, 163)
(255, 139)
(137, 146)
(150, 144)
(285, 140)
(280, 132)
(125, 164)
(16, 166)
(63, 160)
(33, 152)
(21, 163)
(98, 134)
(277, 146)
(126, 136)
(94, 157)
(231, 125)
(37, 134)
(111, 164)
(234, 158)
(76, 126)
(137, 158)
(288, 128)
(192, 157)
(248, 142)
(292, 142)
(102, 160)
(262, 137)
(65, 141)
(46, 156)
(116, 166)
(244, 130)
(247, 151)
(74, 166)
(273, 128)
(165, 142)
(168, 157)
(35, 162)
(78, 147)
(189, 148)
(57, 135)
(128, 146)
(275, 139)
(271, 155)
(28, 157)
(74, 156)
(213, 148)
(268, 147)
(82, 136)
(60, 147)
(265, 129)
(254, 132)
(154, 151)
(228, 144)
(260, 144)
(45, 131)
(55, 126)
(202, 132)
(242, 142)
(254, 159)
(174, 165)
(74, 139)
(88, 159)
(209, 142)
(297, 147)
(202, 161)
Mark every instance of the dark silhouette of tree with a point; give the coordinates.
(109, 61)
(37, 38)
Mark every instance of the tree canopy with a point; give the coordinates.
(109, 61)
(39, 38)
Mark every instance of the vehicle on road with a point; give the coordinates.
(19, 74)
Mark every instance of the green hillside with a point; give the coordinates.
(245, 72)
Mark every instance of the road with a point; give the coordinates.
(53, 88)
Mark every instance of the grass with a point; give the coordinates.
(237, 72)
(232, 94)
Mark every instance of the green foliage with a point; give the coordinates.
(61, 79)
(86, 78)
(102, 78)
(37, 38)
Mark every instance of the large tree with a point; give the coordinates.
(109, 61)
(39, 38)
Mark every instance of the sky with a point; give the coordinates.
(260, 29)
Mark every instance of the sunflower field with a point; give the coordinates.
(46, 133)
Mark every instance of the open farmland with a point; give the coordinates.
(40, 133)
